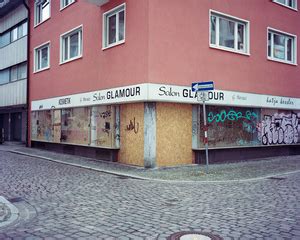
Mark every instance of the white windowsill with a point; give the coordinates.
(286, 6)
(114, 45)
(66, 6)
(70, 60)
(228, 50)
(41, 22)
(42, 69)
(282, 61)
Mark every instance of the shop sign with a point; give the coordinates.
(132, 93)
(165, 93)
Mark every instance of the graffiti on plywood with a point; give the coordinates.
(133, 126)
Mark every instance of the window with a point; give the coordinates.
(229, 33)
(287, 3)
(114, 27)
(41, 10)
(281, 46)
(71, 45)
(65, 3)
(18, 72)
(13, 73)
(4, 76)
(13, 34)
(42, 57)
(18, 32)
(5, 39)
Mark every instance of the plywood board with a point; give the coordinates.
(132, 134)
(174, 134)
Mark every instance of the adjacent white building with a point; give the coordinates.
(13, 69)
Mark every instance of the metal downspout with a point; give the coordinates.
(27, 88)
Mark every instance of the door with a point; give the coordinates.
(16, 126)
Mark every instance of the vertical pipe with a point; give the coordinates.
(27, 85)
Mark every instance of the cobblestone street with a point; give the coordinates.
(76, 203)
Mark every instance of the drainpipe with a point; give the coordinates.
(27, 88)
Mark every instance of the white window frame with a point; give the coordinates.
(63, 6)
(237, 21)
(35, 56)
(294, 46)
(62, 46)
(36, 22)
(286, 5)
(106, 15)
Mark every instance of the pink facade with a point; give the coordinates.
(166, 42)
(135, 98)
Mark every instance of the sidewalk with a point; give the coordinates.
(240, 171)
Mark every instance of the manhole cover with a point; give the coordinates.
(194, 236)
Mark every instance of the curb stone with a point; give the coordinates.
(134, 176)
(11, 215)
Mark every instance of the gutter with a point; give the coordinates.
(27, 87)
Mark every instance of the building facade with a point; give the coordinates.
(13, 70)
(112, 79)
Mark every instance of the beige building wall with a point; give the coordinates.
(132, 134)
(174, 134)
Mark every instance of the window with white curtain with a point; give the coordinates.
(71, 45)
(42, 57)
(41, 11)
(114, 26)
(229, 33)
(282, 46)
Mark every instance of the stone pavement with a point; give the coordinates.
(240, 171)
(78, 203)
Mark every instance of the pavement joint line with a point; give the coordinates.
(14, 213)
(154, 179)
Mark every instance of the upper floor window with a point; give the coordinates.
(65, 3)
(14, 73)
(13, 34)
(282, 46)
(114, 26)
(229, 33)
(71, 45)
(18, 72)
(41, 11)
(5, 39)
(4, 76)
(287, 3)
(42, 57)
(18, 32)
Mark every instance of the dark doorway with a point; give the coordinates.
(16, 126)
(4, 123)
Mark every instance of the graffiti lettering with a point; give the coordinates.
(105, 114)
(133, 126)
(279, 129)
(230, 115)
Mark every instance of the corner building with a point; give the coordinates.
(112, 79)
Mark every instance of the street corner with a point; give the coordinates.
(8, 213)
